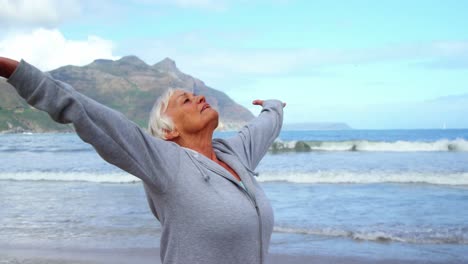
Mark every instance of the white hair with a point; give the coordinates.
(159, 123)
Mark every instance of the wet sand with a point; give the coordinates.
(151, 256)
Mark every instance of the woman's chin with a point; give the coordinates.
(215, 123)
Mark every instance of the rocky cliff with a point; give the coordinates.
(128, 85)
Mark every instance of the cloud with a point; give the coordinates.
(36, 13)
(451, 48)
(220, 4)
(198, 4)
(203, 58)
(49, 49)
(253, 62)
(447, 56)
(440, 55)
(446, 64)
(212, 5)
(206, 5)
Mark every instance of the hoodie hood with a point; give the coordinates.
(222, 146)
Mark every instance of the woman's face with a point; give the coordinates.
(190, 113)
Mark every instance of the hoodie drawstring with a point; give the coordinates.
(249, 170)
(205, 176)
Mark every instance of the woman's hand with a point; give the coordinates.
(7, 67)
(260, 102)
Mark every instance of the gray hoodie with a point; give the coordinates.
(206, 215)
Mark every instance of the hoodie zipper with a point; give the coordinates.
(254, 203)
(260, 233)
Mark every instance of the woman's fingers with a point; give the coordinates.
(258, 102)
(7, 67)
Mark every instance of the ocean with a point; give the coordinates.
(376, 194)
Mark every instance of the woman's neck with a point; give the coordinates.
(200, 142)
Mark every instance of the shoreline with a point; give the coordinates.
(25, 255)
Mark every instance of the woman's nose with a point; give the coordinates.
(200, 99)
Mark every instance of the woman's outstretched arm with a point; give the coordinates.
(253, 140)
(117, 140)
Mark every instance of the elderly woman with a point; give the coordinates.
(202, 190)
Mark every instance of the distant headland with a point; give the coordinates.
(317, 126)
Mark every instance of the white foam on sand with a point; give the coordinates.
(454, 179)
(118, 177)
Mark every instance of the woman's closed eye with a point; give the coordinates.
(186, 100)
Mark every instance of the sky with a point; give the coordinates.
(370, 64)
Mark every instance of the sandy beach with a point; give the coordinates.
(151, 255)
(65, 205)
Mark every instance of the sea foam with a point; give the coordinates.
(119, 177)
(318, 177)
(346, 177)
(422, 235)
(460, 145)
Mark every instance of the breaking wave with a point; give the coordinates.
(346, 177)
(417, 236)
(120, 177)
(41, 149)
(318, 177)
(460, 145)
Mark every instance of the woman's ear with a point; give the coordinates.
(171, 135)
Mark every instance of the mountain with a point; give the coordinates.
(128, 85)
